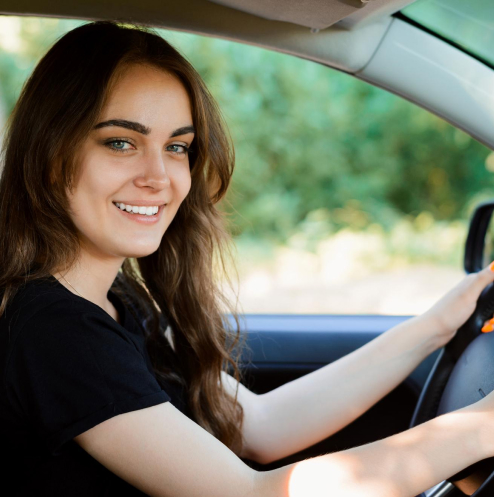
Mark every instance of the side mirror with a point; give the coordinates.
(479, 248)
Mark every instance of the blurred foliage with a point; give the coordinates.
(317, 150)
(312, 141)
(23, 41)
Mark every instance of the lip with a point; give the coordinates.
(142, 203)
(142, 218)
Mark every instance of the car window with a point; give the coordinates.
(345, 199)
(468, 24)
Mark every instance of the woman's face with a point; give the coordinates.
(134, 159)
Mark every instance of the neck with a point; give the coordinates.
(91, 278)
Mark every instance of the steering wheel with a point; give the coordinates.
(462, 374)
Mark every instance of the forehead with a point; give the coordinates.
(148, 95)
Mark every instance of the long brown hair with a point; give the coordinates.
(57, 108)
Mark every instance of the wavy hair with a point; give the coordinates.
(58, 106)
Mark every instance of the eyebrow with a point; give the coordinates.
(140, 128)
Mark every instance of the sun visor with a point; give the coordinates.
(317, 14)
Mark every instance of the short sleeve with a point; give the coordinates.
(70, 371)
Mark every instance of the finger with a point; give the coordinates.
(488, 326)
(484, 277)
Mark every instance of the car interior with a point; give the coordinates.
(389, 45)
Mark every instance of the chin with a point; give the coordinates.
(136, 252)
(140, 253)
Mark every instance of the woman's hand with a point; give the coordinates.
(449, 313)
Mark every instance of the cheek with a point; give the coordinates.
(91, 198)
(183, 183)
(98, 182)
(188, 185)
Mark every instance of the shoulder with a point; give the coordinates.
(39, 296)
(42, 307)
(45, 324)
(70, 365)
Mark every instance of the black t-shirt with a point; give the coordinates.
(66, 365)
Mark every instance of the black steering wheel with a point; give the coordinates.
(462, 374)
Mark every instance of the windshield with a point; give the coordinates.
(469, 24)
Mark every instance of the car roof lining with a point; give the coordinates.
(316, 14)
(336, 46)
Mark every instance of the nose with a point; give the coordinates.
(154, 172)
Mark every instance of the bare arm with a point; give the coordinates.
(252, 408)
(164, 454)
(399, 466)
(309, 409)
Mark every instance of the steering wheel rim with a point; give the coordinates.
(456, 381)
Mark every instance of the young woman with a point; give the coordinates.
(114, 159)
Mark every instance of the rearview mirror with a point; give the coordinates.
(479, 248)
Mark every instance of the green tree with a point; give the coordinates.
(312, 143)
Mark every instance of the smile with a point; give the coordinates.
(138, 209)
(142, 214)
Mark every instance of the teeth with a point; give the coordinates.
(138, 209)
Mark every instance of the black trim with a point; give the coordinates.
(404, 17)
(282, 344)
(475, 244)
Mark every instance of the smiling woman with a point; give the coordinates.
(112, 169)
(109, 235)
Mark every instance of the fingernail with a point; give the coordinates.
(491, 266)
(487, 328)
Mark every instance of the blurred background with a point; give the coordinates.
(346, 199)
